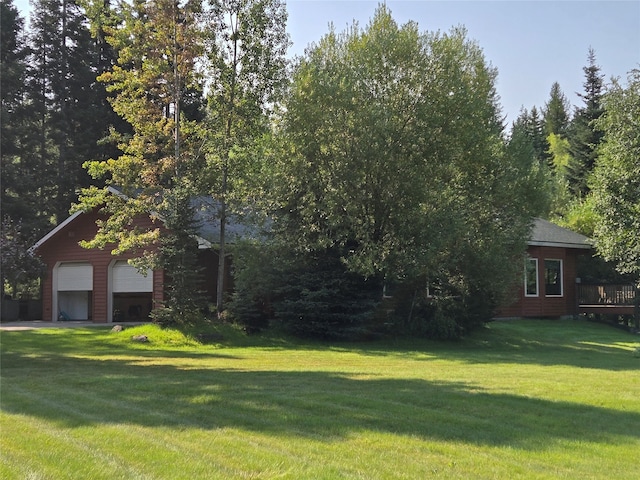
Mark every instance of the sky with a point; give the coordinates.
(531, 43)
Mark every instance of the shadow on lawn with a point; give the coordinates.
(536, 342)
(326, 406)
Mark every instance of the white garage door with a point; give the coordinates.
(125, 278)
(75, 277)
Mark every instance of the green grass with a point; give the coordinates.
(519, 399)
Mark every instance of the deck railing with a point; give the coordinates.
(607, 294)
(616, 304)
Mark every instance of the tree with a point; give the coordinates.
(393, 156)
(247, 74)
(584, 135)
(19, 177)
(616, 177)
(158, 45)
(556, 112)
(531, 126)
(19, 269)
(69, 103)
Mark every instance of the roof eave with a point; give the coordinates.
(583, 246)
(53, 232)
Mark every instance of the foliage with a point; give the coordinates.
(579, 215)
(392, 155)
(185, 301)
(584, 134)
(616, 177)
(158, 45)
(556, 114)
(19, 268)
(246, 47)
(310, 295)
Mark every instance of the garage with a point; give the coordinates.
(73, 291)
(131, 292)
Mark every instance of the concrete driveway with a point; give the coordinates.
(15, 326)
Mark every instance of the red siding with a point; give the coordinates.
(63, 247)
(542, 305)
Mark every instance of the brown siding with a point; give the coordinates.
(63, 247)
(543, 306)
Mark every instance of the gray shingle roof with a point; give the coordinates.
(549, 234)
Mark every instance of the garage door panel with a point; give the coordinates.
(126, 278)
(75, 277)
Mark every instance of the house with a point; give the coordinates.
(94, 285)
(549, 282)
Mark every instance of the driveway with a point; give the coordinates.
(14, 326)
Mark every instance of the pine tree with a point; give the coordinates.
(178, 250)
(584, 135)
(556, 112)
(19, 178)
(160, 167)
(529, 127)
(71, 111)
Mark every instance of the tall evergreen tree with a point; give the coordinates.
(529, 126)
(556, 112)
(584, 134)
(19, 180)
(158, 44)
(72, 114)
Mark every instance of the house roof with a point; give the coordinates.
(549, 234)
(59, 227)
(206, 215)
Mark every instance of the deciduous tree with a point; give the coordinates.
(247, 43)
(393, 155)
(616, 177)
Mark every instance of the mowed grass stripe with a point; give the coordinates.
(504, 403)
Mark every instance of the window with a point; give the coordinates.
(553, 278)
(531, 277)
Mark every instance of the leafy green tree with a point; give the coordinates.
(616, 177)
(584, 135)
(393, 156)
(247, 43)
(158, 44)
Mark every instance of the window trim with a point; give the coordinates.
(526, 293)
(555, 295)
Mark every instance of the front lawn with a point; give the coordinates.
(520, 399)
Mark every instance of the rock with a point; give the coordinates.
(117, 328)
(140, 338)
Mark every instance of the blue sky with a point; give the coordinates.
(531, 43)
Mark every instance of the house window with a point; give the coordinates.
(531, 277)
(553, 278)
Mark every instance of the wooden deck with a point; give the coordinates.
(609, 300)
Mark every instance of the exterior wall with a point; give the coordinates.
(543, 305)
(63, 247)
